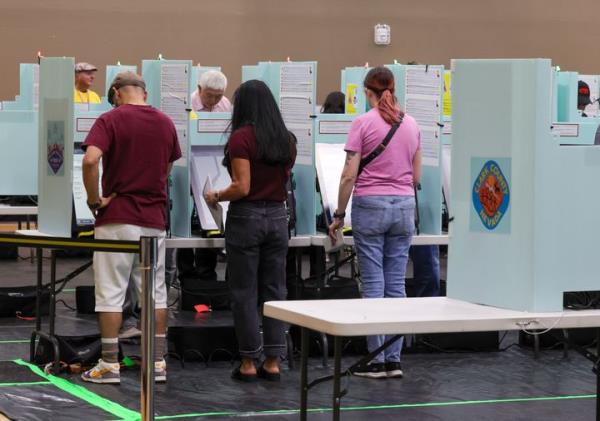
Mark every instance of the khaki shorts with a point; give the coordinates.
(112, 271)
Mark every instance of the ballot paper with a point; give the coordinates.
(330, 159)
(331, 247)
(217, 210)
(205, 162)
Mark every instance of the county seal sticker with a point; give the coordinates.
(491, 193)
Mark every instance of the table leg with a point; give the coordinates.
(38, 305)
(304, 345)
(337, 396)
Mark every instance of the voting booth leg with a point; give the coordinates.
(303, 373)
(148, 256)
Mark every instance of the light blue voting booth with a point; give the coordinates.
(168, 83)
(294, 86)
(568, 123)
(55, 147)
(19, 136)
(524, 208)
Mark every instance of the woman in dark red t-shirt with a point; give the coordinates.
(259, 156)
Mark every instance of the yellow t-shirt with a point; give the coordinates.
(85, 97)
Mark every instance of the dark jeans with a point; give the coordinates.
(426, 270)
(256, 240)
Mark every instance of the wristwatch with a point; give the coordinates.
(339, 215)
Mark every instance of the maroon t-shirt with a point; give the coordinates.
(267, 182)
(138, 142)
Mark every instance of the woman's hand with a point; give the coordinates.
(212, 198)
(338, 223)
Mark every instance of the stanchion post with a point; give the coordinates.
(148, 257)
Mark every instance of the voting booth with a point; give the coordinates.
(568, 123)
(19, 136)
(168, 83)
(524, 215)
(63, 126)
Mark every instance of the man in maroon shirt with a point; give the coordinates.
(137, 144)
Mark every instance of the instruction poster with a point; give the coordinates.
(422, 102)
(296, 101)
(174, 92)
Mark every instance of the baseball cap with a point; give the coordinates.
(85, 67)
(124, 79)
(583, 94)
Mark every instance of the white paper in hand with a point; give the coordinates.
(217, 210)
(339, 242)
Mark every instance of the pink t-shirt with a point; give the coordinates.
(391, 173)
(223, 106)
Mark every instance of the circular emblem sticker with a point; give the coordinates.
(491, 195)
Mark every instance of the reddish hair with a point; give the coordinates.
(380, 80)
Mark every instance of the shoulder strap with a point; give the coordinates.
(380, 148)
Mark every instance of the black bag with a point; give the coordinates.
(8, 252)
(83, 349)
(214, 294)
(21, 300)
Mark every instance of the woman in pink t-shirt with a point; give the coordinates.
(383, 204)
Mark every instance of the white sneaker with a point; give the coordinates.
(130, 332)
(103, 372)
(160, 371)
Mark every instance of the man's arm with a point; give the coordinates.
(90, 170)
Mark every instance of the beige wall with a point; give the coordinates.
(336, 33)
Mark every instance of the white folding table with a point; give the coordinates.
(397, 316)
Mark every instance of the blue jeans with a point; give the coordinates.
(382, 227)
(426, 270)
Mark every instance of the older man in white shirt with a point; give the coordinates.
(209, 97)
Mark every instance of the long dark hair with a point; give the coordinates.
(253, 104)
(335, 103)
(380, 80)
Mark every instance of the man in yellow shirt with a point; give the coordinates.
(85, 73)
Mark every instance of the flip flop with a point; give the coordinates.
(264, 374)
(238, 375)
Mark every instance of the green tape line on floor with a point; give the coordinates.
(15, 341)
(83, 393)
(378, 407)
(23, 384)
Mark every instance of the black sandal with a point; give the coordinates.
(264, 374)
(238, 375)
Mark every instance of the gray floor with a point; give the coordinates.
(507, 385)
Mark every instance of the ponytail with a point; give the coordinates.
(388, 107)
